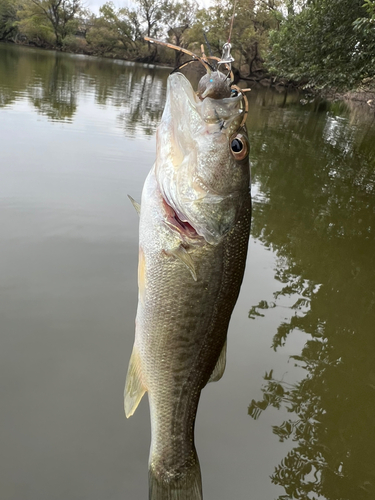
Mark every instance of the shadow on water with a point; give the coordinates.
(51, 81)
(315, 171)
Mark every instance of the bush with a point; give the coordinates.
(73, 43)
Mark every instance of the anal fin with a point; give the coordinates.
(219, 369)
(134, 389)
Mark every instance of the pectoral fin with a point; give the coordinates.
(181, 254)
(218, 371)
(134, 389)
(136, 205)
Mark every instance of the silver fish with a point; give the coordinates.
(194, 229)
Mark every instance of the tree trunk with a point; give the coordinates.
(254, 58)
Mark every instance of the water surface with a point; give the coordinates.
(77, 134)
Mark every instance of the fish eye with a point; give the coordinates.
(236, 146)
(239, 147)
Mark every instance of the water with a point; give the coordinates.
(77, 134)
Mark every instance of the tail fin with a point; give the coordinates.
(183, 486)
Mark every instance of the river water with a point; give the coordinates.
(294, 415)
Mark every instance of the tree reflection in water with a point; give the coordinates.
(316, 173)
(54, 83)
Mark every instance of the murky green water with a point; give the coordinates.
(77, 135)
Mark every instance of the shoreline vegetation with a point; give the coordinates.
(320, 46)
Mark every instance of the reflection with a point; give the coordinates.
(147, 103)
(316, 175)
(54, 91)
(44, 78)
(54, 83)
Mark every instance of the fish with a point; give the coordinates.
(195, 215)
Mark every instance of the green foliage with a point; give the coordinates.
(115, 31)
(48, 22)
(8, 19)
(364, 29)
(73, 43)
(123, 24)
(325, 42)
(34, 26)
(252, 22)
(316, 42)
(150, 12)
(101, 39)
(178, 18)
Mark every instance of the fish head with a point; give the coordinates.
(202, 165)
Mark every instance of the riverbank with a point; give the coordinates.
(363, 94)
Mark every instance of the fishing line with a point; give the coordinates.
(231, 23)
(182, 65)
(207, 43)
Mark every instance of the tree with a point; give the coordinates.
(123, 22)
(150, 13)
(178, 17)
(252, 24)
(252, 21)
(324, 42)
(58, 15)
(33, 26)
(8, 20)
(117, 31)
(364, 29)
(100, 37)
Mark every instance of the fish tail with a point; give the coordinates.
(182, 486)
